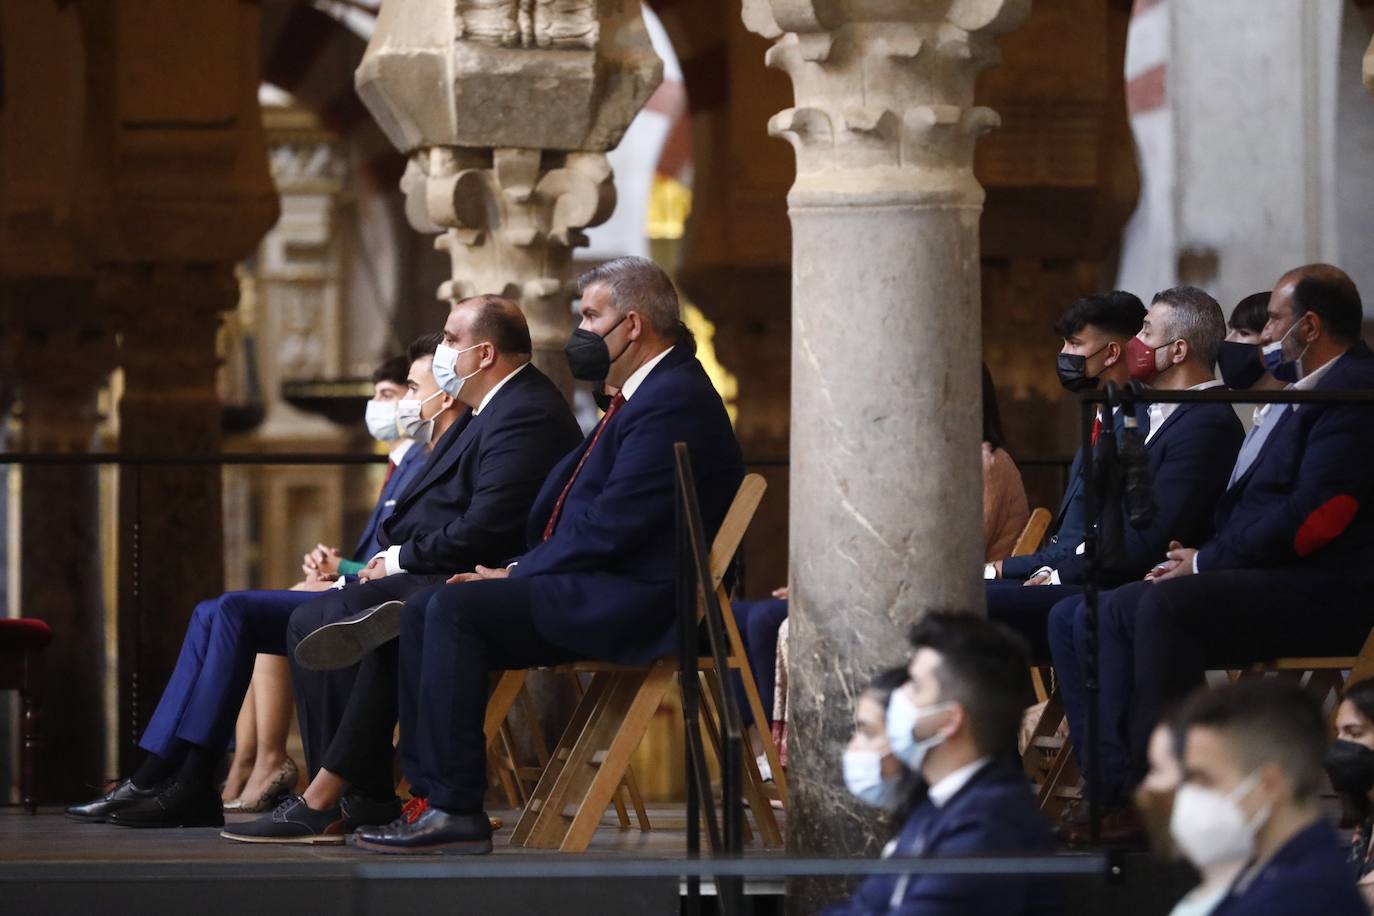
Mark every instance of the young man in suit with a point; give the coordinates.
(195, 718)
(954, 724)
(465, 508)
(1251, 791)
(1287, 571)
(1095, 330)
(1190, 449)
(597, 581)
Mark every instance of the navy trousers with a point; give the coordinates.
(452, 639)
(1156, 642)
(1026, 609)
(202, 699)
(759, 623)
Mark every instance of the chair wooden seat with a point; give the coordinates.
(592, 757)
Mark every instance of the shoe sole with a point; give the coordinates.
(87, 818)
(114, 821)
(345, 643)
(458, 848)
(315, 840)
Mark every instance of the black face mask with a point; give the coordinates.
(1073, 371)
(1351, 768)
(588, 356)
(1240, 364)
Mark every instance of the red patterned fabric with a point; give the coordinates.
(24, 633)
(1325, 524)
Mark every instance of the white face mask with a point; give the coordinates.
(1209, 826)
(863, 775)
(408, 411)
(381, 420)
(445, 375)
(902, 716)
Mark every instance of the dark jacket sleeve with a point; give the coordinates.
(1333, 481)
(636, 503)
(964, 895)
(513, 459)
(1187, 483)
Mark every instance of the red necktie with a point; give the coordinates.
(1097, 428)
(390, 469)
(558, 506)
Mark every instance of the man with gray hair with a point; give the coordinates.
(597, 581)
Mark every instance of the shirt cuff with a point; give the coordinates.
(1195, 556)
(339, 583)
(393, 560)
(990, 571)
(1054, 577)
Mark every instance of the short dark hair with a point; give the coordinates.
(422, 346)
(396, 370)
(1118, 313)
(1361, 695)
(1333, 298)
(887, 680)
(501, 322)
(1266, 721)
(1194, 317)
(984, 667)
(1251, 313)
(992, 416)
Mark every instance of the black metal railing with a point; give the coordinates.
(696, 588)
(1113, 397)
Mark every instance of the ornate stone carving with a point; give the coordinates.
(540, 74)
(511, 219)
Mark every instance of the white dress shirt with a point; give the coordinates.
(1162, 412)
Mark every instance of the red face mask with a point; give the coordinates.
(1140, 360)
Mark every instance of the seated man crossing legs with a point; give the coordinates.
(597, 581)
(466, 507)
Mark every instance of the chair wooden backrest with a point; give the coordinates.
(1033, 533)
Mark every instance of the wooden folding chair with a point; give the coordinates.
(1034, 532)
(593, 754)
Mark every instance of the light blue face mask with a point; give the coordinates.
(445, 372)
(902, 716)
(863, 776)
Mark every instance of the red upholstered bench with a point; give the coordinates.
(22, 641)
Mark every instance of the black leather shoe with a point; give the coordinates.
(344, 643)
(433, 832)
(121, 796)
(178, 804)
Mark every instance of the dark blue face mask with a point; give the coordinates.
(1278, 364)
(1240, 364)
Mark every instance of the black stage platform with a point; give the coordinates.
(50, 865)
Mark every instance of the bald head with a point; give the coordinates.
(490, 319)
(1325, 291)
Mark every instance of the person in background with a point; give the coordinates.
(1005, 508)
(871, 773)
(261, 770)
(954, 724)
(1350, 767)
(1240, 364)
(1155, 800)
(1253, 753)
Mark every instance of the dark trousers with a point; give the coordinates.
(347, 716)
(202, 699)
(1157, 641)
(452, 639)
(759, 623)
(1026, 609)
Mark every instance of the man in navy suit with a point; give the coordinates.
(954, 724)
(1251, 792)
(597, 581)
(1191, 450)
(195, 718)
(1096, 330)
(1287, 571)
(465, 508)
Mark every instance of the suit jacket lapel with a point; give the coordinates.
(447, 452)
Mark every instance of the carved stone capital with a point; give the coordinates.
(539, 74)
(884, 92)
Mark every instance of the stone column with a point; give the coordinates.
(506, 109)
(886, 489)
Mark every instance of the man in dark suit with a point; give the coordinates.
(1251, 792)
(1096, 330)
(465, 508)
(194, 720)
(1190, 450)
(1287, 571)
(598, 579)
(954, 724)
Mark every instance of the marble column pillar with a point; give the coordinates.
(171, 551)
(506, 110)
(60, 350)
(886, 489)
